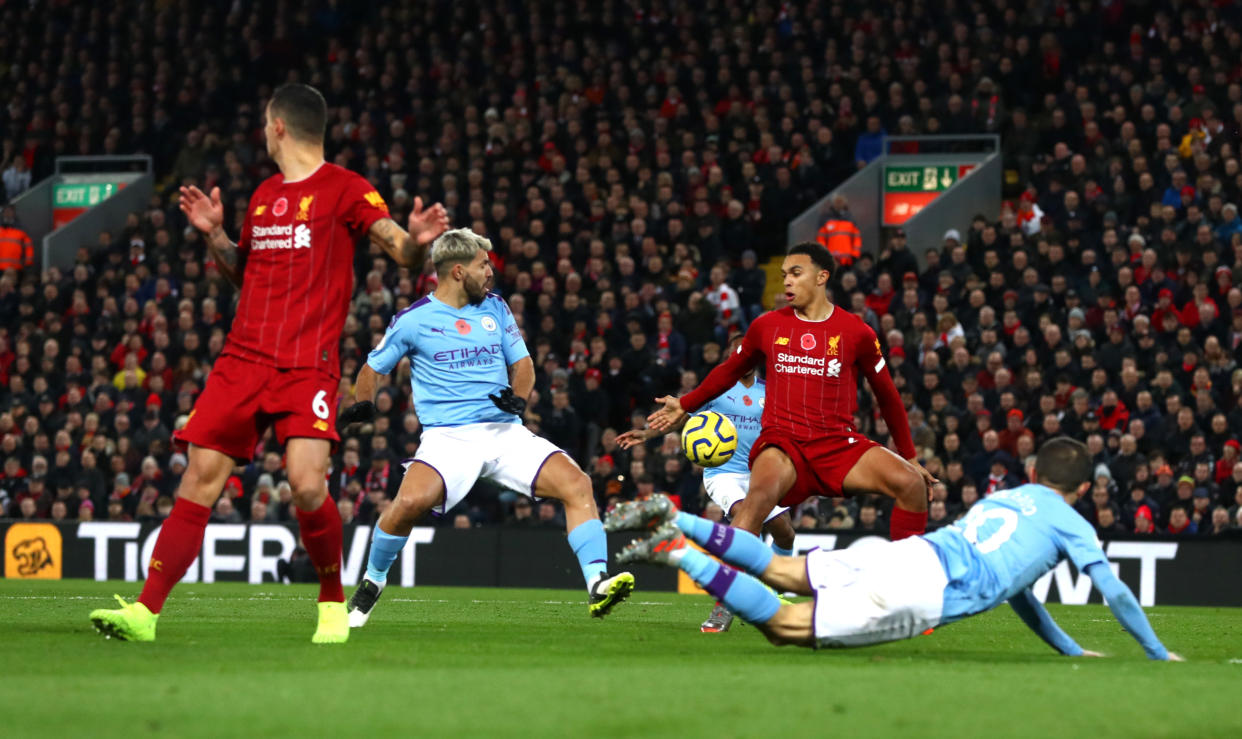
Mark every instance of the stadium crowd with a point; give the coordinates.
(634, 165)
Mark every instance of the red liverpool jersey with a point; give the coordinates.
(812, 387)
(298, 242)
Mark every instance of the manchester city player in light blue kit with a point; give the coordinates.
(897, 590)
(727, 484)
(471, 374)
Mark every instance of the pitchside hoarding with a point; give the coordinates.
(1201, 572)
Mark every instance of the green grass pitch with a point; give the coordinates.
(236, 660)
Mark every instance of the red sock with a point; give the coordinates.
(175, 550)
(906, 523)
(322, 536)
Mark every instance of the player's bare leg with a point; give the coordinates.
(881, 471)
(782, 531)
(793, 624)
(771, 476)
(179, 542)
(561, 479)
(319, 523)
(421, 490)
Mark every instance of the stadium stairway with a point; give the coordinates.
(775, 285)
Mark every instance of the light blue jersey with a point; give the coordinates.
(1005, 543)
(458, 356)
(744, 407)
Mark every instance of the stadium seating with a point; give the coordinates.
(616, 157)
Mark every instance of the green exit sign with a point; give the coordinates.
(919, 179)
(82, 195)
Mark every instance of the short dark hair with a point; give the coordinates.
(303, 110)
(818, 254)
(1064, 464)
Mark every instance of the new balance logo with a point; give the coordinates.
(834, 368)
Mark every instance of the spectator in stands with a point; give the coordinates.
(1085, 306)
(16, 178)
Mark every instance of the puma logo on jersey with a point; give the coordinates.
(834, 368)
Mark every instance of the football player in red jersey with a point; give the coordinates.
(279, 368)
(808, 444)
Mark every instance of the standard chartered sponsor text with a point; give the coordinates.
(794, 364)
(294, 237)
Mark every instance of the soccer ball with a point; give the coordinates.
(709, 439)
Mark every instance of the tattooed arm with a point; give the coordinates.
(228, 259)
(409, 249)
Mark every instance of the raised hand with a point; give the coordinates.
(204, 213)
(667, 417)
(427, 223)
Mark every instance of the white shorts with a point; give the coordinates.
(507, 454)
(726, 489)
(877, 593)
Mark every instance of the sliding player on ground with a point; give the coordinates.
(471, 374)
(897, 590)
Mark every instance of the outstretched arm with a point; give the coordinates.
(409, 248)
(889, 400)
(634, 437)
(724, 376)
(1128, 611)
(206, 213)
(1034, 615)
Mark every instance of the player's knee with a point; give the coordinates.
(574, 489)
(906, 486)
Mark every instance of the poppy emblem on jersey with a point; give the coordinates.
(808, 342)
(488, 323)
(280, 207)
(747, 401)
(834, 348)
(463, 326)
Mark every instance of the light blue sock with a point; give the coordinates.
(741, 593)
(384, 550)
(735, 546)
(591, 548)
(781, 550)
